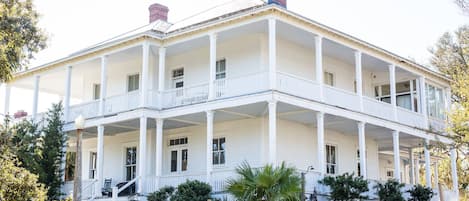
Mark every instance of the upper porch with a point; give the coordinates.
(260, 55)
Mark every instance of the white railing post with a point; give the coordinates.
(272, 132)
(6, 104)
(412, 166)
(319, 67)
(397, 158)
(454, 171)
(68, 84)
(209, 156)
(102, 94)
(358, 77)
(362, 148)
(436, 176)
(115, 192)
(213, 65)
(159, 151)
(428, 173)
(321, 145)
(161, 75)
(272, 53)
(36, 96)
(142, 154)
(100, 157)
(417, 171)
(144, 77)
(392, 87)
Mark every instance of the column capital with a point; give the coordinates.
(272, 102)
(358, 53)
(320, 113)
(104, 56)
(391, 66)
(213, 35)
(318, 38)
(361, 123)
(210, 113)
(159, 122)
(162, 50)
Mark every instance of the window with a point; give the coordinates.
(218, 149)
(174, 161)
(221, 69)
(331, 159)
(178, 141)
(133, 82)
(70, 166)
(96, 91)
(329, 78)
(359, 173)
(184, 160)
(178, 78)
(406, 94)
(435, 102)
(130, 163)
(93, 160)
(390, 173)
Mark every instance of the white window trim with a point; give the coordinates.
(334, 83)
(173, 78)
(127, 82)
(226, 68)
(220, 166)
(94, 91)
(336, 145)
(123, 155)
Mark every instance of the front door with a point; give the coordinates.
(179, 160)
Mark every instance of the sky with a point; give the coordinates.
(405, 27)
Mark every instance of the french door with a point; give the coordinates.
(179, 160)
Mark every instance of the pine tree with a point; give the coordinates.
(54, 140)
(26, 143)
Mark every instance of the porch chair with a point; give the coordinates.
(107, 189)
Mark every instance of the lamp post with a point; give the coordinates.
(79, 124)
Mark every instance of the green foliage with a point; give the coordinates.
(420, 193)
(54, 141)
(26, 143)
(192, 190)
(390, 191)
(346, 187)
(280, 183)
(20, 36)
(162, 195)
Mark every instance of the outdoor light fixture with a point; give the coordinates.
(80, 122)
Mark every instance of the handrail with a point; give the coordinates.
(127, 185)
(340, 89)
(186, 87)
(408, 111)
(84, 103)
(297, 77)
(91, 184)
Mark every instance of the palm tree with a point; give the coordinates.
(280, 183)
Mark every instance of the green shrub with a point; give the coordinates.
(390, 191)
(420, 193)
(192, 190)
(162, 195)
(346, 187)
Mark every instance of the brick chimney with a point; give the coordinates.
(158, 12)
(282, 3)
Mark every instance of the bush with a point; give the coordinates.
(192, 190)
(162, 195)
(346, 187)
(420, 193)
(390, 191)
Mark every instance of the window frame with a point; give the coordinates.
(125, 165)
(219, 164)
(333, 78)
(224, 73)
(93, 165)
(128, 82)
(96, 87)
(336, 164)
(412, 93)
(180, 77)
(179, 149)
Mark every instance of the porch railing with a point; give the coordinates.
(297, 86)
(341, 98)
(377, 108)
(185, 96)
(88, 110)
(410, 118)
(122, 102)
(241, 85)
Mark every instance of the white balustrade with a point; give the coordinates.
(410, 118)
(185, 96)
(175, 180)
(88, 110)
(241, 85)
(122, 102)
(437, 124)
(341, 98)
(377, 108)
(297, 86)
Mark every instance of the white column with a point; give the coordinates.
(209, 145)
(417, 171)
(362, 147)
(436, 175)
(272, 132)
(423, 99)
(144, 77)
(454, 171)
(142, 154)
(319, 69)
(161, 75)
(412, 166)
(6, 106)
(159, 150)
(358, 77)
(397, 158)
(321, 144)
(100, 157)
(272, 53)
(68, 84)
(213, 65)
(102, 95)
(36, 96)
(428, 172)
(392, 87)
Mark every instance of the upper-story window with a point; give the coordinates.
(178, 78)
(406, 94)
(435, 102)
(221, 69)
(96, 91)
(329, 78)
(133, 82)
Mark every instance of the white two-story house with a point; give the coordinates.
(261, 84)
